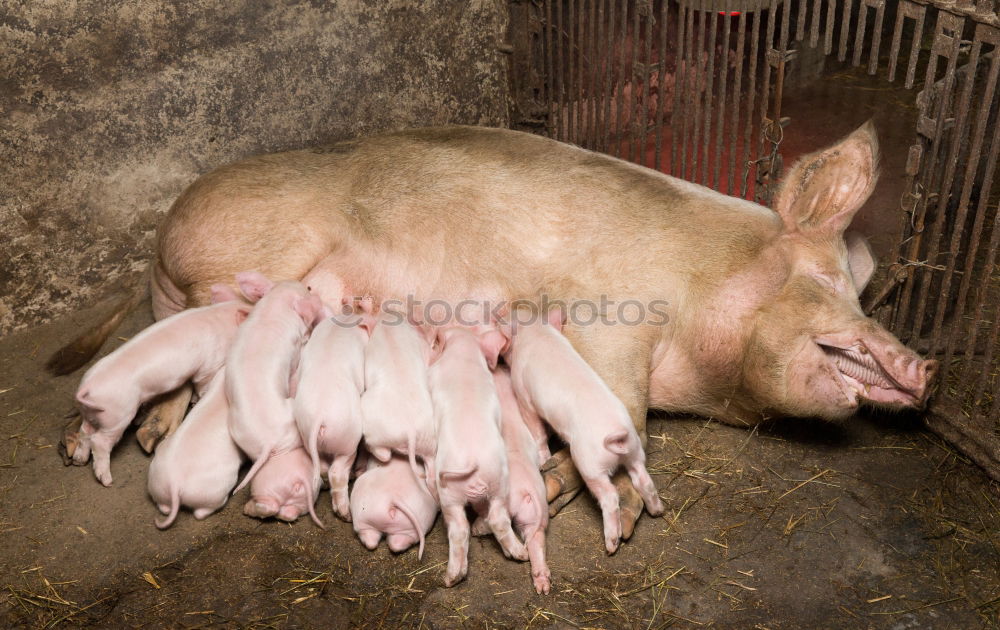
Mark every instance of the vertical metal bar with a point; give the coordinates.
(622, 74)
(982, 293)
(661, 62)
(800, 24)
(690, 76)
(734, 114)
(711, 21)
(831, 11)
(765, 90)
(609, 94)
(680, 74)
(876, 36)
(560, 72)
(633, 106)
(845, 29)
(897, 38)
(698, 86)
(859, 32)
(751, 95)
(975, 234)
(943, 186)
(571, 72)
(550, 95)
(647, 90)
(918, 35)
(593, 69)
(721, 101)
(814, 23)
(581, 80)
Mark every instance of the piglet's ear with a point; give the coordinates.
(241, 315)
(824, 190)
(367, 322)
(223, 293)
(309, 309)
(860, 259)
(492, 344)
(253, 284)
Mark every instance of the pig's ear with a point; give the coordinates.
(309, 309)
(492, 344)
(556, 318)
(366, 321)
(860, 259)
(824, 190)
(241, 315)
(223, 293)
(253, 284)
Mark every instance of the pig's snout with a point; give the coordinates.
(927, 373)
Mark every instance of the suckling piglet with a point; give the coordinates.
(190, 345)
(529, 511)
(387, 499)
(198, 465)
(284, 487)
(259, 370)
(396, 405)
(471, 461)
(327, 406)
(553, 380)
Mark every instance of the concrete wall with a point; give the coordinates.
(109, 109)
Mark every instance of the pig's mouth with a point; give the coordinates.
(863, 377)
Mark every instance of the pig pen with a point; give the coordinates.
(800, 524)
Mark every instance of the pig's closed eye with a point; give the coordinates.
(826, 281)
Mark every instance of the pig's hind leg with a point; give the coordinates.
(607, 497)
(498, 519)
(540, 574)
(458, 543)
(338, 475)
(644, 484)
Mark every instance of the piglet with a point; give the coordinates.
(259, 371)
(327, 407)
(396, 405)
(190, 345)
(471, 462)
(552, 379)
(198, 465)
(387, 499)
(526, 499)
(284, 487)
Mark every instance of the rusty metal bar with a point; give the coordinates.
(697, 89)
(748, 166)
(571, 64)
(647, 89)
(633, 105)
(601, 72)
(713, 28)
(621, 82)
(831, 12)
(876, 35)
(580, 106)
(814, 23)
(561, 74)
(918, 34)
(595, 70)
(945, 45)
(550, 95)
(680, 62)
(994, 338)
(661, 62)
(859, 32)
(734, 125)
(845, 26)
(690, 75)
(609, 94)
(720, 120)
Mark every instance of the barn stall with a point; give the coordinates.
(887, 520)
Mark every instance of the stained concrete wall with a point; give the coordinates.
(109, 109)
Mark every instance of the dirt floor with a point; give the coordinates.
(870, 524)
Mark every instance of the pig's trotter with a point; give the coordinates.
(498, 520)
(555, 459)
(562, 482)
(70, 438)
(164, 417)
(630, 502)
(458, 544)
(480, 527)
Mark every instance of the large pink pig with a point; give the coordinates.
(284, 487)
(552, 379)
(198, 465)
(526, 502)
(396, 406)
(188, 346)
(471, 461)
(327, 407)
(259, 369)
(388, 499)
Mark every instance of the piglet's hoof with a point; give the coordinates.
(71, 438)
(260, 509)
(562, 482)
(164, 417)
